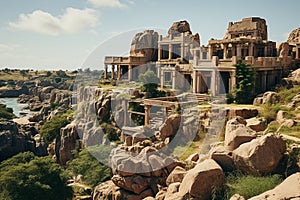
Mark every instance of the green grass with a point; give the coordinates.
(249, 186)
(286, 95)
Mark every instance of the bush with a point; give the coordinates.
(6, 113)
(249, 186)
(26, 177)
(110, 131)
(92, 170)
(51, 129)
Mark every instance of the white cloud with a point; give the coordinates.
(5, 48)
(72, 21)
(107, 3)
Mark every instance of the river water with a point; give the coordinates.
(18, 108)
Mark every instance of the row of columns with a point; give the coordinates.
(170, 51)
(236, 50)
(119, 72)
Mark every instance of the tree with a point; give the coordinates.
(150, 84)
(87, 163)
(245, 83)
(51, 129)
(25, 176)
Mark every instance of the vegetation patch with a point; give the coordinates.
(249, 186)
(51, 129)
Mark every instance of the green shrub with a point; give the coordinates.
(110, 131)
(87, 163)
(6, 113)
(51, 129)
(26, 177)
(249, 186)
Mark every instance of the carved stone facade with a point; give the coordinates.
(182, 63)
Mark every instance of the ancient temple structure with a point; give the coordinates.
(181, 62)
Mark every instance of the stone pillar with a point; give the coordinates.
(174, 80)
(232, 81)
(159, 52)
(162, 79)
(233, 49)
(147, 115)
(251, 49)
(199, 79)
(170, 51)
(105, 72)
(213, 83)
(119, 73)
(264, 81)
(266, 51)
(182, 46)
(194, 81)
(225, 51)
(210, 51)
(238, 50)
(113, 71)
(129, 72)
(298, 51)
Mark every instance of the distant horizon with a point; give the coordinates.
(60, 34)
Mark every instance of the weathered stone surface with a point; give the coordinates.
(280, 117)
(288, 189)
(192, 158)
(199, 181)
(223, 157)
(294, 36)
(270, 98)
(172, 189)
(157, 164)
(176, 175)
(135, 183)
(294, 79)
(283, 49)
(261, 155)
(237, 197)
(235, 123)
(145, 44)
(242, 112)
(257, 123)
(170, 127)
(66, 143)
(105, 191)
(11, 141)
(237, 134)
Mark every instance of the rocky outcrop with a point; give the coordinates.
(14, 92)
(170, 127)
(12, 141)
(199, 182)
(242, 112)
(261, 155)
(237, 133)
(223, 157)
(145, 44)
(65, 143)
(257, 123)
(294, 37)
(267, 98)
(184, 27)
(288, 189)
(294, 78)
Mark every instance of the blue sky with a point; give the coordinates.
(61, 34)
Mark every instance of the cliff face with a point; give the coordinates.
(12, 141)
